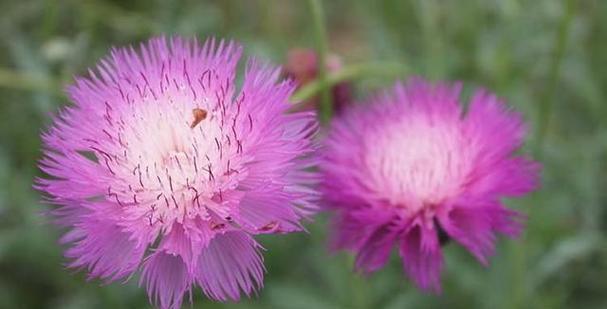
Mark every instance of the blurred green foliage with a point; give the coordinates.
(547, 58)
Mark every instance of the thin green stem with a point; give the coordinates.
(521, 286)
(359, 290)
(320, 32)
(26, 81)
(351, 72)
(547, 98)
(428, 15)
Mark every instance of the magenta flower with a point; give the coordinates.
(412, 170)
(162, 165)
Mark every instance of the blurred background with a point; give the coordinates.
(547, 58)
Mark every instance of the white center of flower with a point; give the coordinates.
(416, 164)
(170, 162)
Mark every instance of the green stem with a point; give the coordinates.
(27, 81)
(358, 297)
(428, 15)
(321, 49)
(547, 98)
(521, 286)
(349, 73)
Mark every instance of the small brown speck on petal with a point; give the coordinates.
(269, 227)
(199, 115)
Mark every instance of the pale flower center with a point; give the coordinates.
(172, 161)
(417, 164)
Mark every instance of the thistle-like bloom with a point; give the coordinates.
(163, 166)
(412, 169)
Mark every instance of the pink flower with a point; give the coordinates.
(411, 169)
(162, 165)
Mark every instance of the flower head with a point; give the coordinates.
(302, 67)
(162, 165)
(412, 168)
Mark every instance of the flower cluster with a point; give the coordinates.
(163, 167)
